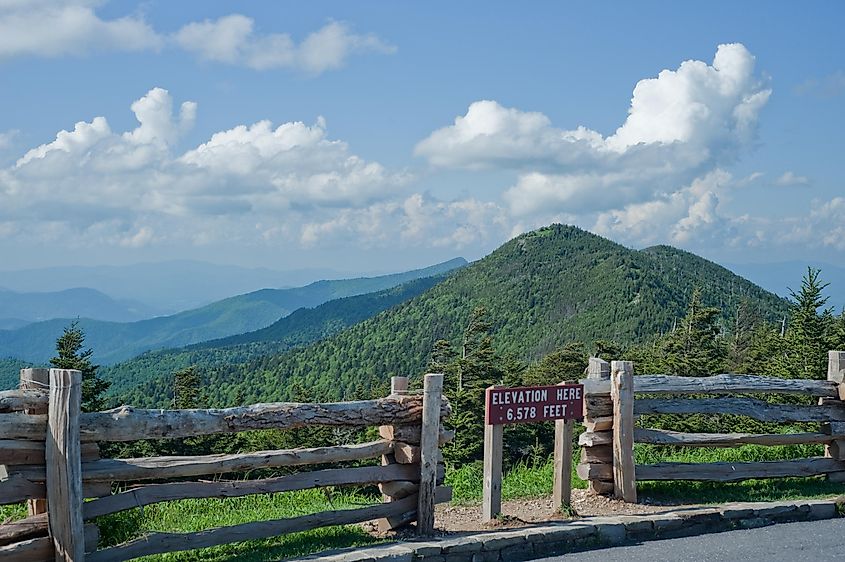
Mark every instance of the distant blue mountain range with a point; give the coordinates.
(117, 341)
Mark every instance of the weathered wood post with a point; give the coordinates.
(562, 490)
(622, 394)
(393, 491)
(597, 449)
(836, 373)
(836, 370)
(64, 465)
(35, 379)
(429, 449)
(491, 504)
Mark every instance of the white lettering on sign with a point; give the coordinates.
(521, 396)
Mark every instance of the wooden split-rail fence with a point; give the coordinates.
(611, 407)
(49, 458)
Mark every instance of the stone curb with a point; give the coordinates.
(555, 538)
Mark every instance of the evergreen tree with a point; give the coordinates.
(477, 354)
(607, 350)
(565, 364)
(745, 323)
(476, 368)
(186, 389)
(70, 355)
(807, 333)
(695, 348)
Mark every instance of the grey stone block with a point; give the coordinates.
(486, 556)
(503, 540)
(552, 548)
(822, 510)
(642, 527)
(611, 533)
(568, 532)
(754, 523)
(463, 544)
(737, 513)
(425, 549)
(778, 512)
(518, 552)
(458, 557)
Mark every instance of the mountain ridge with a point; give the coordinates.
(542, 289)
(37, 306)
(113, 342)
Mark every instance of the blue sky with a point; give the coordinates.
(379, 136)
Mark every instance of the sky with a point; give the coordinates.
(374, 136)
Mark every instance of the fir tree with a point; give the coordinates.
(565, 364)
(186, 389)
(695, 348)
(807, 333)
(70, 355)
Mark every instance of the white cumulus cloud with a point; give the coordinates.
(133, 189)
(233, 40)
(57, 28)
(51, 28)
(680, 125)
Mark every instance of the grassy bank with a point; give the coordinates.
(196, 515)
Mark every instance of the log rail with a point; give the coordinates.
(598, 456)
(408, 448)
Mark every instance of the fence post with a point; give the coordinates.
(562, 491)
(491, 502)
(393, 491)
(429, 448)
(598, 369)
(622, 394)
(597, 406)
(35, 379)
(836, 370)
(64, 465)
(836, 373)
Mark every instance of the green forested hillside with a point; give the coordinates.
(114, 341)
(10, 372)
(541, 290)
(302, 327)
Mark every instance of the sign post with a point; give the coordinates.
(562, 403)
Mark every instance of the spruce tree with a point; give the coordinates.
(70, 355)
(807, 333)
(186, 389)
(695, 348)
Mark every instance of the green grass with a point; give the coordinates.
(524, 480)
(195, 515)
(746, 491)
(678, 491)
(647, 454)
(12, 512)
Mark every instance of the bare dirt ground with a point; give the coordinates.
(519, 513)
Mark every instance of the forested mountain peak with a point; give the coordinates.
(541, 290)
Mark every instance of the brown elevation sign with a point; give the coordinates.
(534, 404)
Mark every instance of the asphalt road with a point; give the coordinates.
(811, 541)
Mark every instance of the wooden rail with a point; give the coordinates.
(735, 471)
(49, 450)
(720, 384)
(662, 437)
(604, 456)
(751, 407)
(156, 493)
(132, 424)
